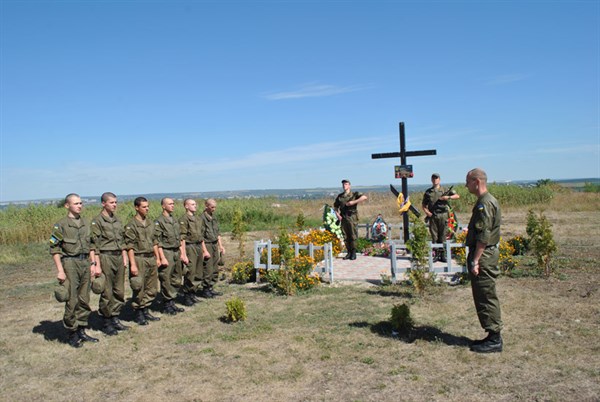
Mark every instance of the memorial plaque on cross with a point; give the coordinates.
(403, 154)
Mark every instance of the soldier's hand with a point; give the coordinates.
(164, 262)
(134, 270)
(185, 260)
(475, 268)
(206, 255)
(61, 276)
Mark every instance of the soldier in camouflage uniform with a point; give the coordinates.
(345, 207)
(111, 257)
(191, 250)
(435, 205)
(168, 237)
(143, 261)
(75, 264)
(212, 247)
(482, 239)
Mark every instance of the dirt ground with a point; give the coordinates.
(331, 344)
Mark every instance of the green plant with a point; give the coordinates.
(591, 187)
(294, 273)
(520, 245)
(242, 272)
(362, 243)
(417, 244)
(238, 232)
(300, 221)
(421, 279)
(541, 240)
(236, 310)
(401, 319)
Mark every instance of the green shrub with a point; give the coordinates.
(417, 244)
(401, 319)
(541, 240)
(520, 245)
(236, 310)
(243, 272)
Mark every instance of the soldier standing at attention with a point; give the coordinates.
(435, 205)
(111, 257)
(75, 263)
(143, 261)
(345, 206)
(482, 239)
(211, 247)
(168, 238)
(191, 250)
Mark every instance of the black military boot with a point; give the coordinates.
(442, 256)
(176, 307)
(74, 339)
(214, 292)
(109, 328)
(491, 344)
(118, 325)
(206, 293)
(139, 317)
(85, 337)
(168, 308)
(149, 316)
(348, 256)
(188, 300)
(353, 255)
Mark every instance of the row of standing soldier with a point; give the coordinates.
(182, 254)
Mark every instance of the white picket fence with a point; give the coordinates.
(448, 246)
(324, 268)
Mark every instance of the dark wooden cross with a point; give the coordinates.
(403, 154)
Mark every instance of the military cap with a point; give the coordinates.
(136, 283)
(436, 175)
(61, 291)
(345, 181)
(98, 284)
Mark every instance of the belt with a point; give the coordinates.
(491, 246)
(76, 257)
(111, 252)
(171, 249)
(196, 243)
(144, 255)
(211, 242)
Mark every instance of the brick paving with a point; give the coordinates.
(370, 269)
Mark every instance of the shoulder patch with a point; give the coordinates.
(156, 223)
(480, 207)
(128, 227)
(56, 226)
(53, 240)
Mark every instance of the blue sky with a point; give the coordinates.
(141, 97)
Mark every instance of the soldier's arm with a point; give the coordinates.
(182, 250)
(132, 265)
(158, 250)
(60, 271)
(221, 248)
(56, 252)
(360, 199)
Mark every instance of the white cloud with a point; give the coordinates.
(313, 90)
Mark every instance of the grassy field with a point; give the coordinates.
(331, 344)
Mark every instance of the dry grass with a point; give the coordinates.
(332, 344)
